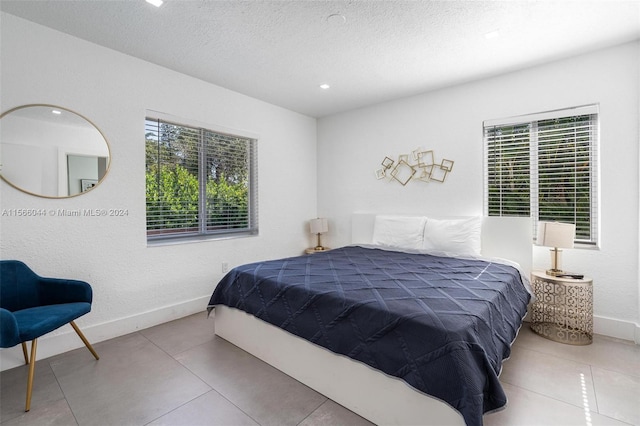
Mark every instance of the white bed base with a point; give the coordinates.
(379, 398)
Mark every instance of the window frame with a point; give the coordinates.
(203, 233)
(532, 121)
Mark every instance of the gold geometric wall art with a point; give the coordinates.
(438, 174)
(425, 173)
(425, 158)
(420, 165)
(403, 172)
(387, 163)
(447, 165)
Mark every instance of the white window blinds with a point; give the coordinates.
(199, 182)
(545, 167)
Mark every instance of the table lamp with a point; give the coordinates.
(557, 235)
(319, 226)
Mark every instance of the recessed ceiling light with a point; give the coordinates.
(336, 19)
(56, 112)
(492, 34)
(324, 86)
(156, 3)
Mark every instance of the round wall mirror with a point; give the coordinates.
(52, 152)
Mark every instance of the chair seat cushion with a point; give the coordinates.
(35, 322)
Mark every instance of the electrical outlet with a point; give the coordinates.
(225, 266)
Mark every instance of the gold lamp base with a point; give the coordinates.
(319, 246)
(556, 258)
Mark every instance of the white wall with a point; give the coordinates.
(352, 145)
(136, 286)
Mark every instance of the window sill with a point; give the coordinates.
(172, 241)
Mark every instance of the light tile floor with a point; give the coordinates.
(180, 373)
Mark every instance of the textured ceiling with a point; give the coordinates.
(281, 51)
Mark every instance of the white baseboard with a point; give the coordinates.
(610, 327)
(619, 329)
(57, 343)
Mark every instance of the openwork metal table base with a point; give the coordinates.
(563, 310)
(561, 334)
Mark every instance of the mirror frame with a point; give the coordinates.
(106, 172)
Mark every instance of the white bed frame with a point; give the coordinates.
(381, 399)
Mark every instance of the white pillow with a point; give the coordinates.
(399, 231)
(455, 236)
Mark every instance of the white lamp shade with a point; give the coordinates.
(556, 234)
(318, 226)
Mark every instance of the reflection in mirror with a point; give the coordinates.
(51, 151)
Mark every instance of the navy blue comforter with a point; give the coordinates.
(443, 325)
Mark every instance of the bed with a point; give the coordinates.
(398, 332)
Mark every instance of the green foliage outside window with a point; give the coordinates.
(181, 164)
(509, 171)
(544, 169)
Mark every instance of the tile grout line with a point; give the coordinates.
(595, 392)
(314, 410)
(568, 357)
(139, 332)
(64, 395)
(212, 388)
(543, 395)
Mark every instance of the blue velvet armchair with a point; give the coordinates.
(32, 306)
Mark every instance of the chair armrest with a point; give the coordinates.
(9, 334)
(53, 291)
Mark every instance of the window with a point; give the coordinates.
(544, 166)
(199, 183)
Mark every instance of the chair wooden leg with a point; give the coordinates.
(24, 352)
(32, 368)
(84, 339)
